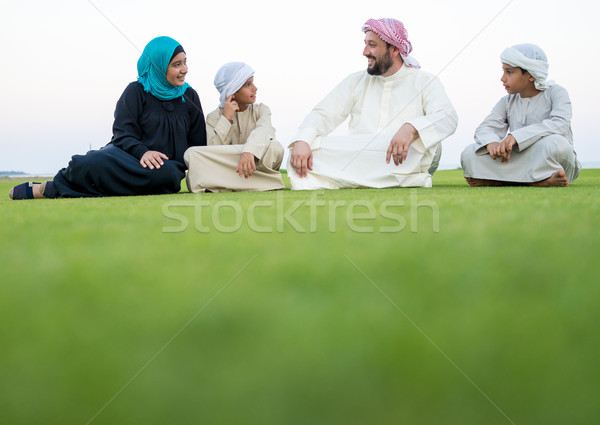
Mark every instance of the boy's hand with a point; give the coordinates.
(230, 108)
(246, 166)
(492, 148)
(506, 147)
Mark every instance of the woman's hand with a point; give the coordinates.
(153, 159)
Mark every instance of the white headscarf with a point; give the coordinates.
(532, 59)
(230, 78)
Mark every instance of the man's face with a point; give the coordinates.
(378, 54)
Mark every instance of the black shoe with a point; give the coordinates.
(48, 189)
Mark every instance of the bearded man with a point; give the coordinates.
(398, 117)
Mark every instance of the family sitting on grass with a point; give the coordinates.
(398, 117)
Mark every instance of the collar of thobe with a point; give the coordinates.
(242, 114)
(531, 98)
(403, 71)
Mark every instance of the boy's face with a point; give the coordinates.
(515, 81)
(247, 94)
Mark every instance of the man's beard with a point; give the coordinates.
(382, 65)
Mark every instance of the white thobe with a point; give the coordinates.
(377, 106)
(213, 167)
(541, 125)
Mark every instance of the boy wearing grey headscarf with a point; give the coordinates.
(242, 152)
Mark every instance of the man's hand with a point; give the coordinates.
(246, 166)
(506, 147)
(153, 159)
(492, 148)
(230, 108)
(301, 158)
(400, 143)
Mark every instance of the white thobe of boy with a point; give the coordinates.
(541, 125)
(213, 167)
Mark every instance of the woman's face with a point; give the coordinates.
(177, 70)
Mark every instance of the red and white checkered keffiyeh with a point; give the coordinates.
(393, 32)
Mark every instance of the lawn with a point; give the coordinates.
(450, 305)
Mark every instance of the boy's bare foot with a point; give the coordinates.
(558, 179)
(482, 182)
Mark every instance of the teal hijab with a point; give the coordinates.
(152, 69)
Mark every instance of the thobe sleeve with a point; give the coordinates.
(439, 120)
(328, 114)
(218, 128)
(559, 118)
(127, 132)
(197, 131)
(259, 138)
(493, 128)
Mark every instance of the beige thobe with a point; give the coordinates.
(377, 107)
(212, 167)
(541, 126)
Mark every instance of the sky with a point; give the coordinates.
(65, 63)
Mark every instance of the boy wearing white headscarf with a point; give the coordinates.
(241, 153)
(527, 138)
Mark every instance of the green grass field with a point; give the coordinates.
(451, 305)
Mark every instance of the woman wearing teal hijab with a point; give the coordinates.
(157, 118)
(152, 67)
